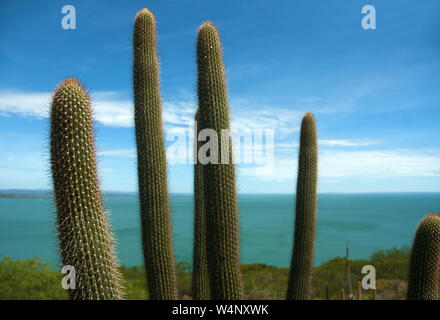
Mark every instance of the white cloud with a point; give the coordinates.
(246, 115)
(125, 153)
(290, 146)
(112, 108)
(380, 163)
(348, 143)
(178, 113)
(287, 145)
(371, 164)
(113, 113)
(34, 104)
(109, 107)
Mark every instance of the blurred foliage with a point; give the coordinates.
(391, 265)
(261, 281)
(134, 282)
(30, 279)
(35, 279)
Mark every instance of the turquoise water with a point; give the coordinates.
(368, 221)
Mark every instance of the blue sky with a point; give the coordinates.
(375, 93)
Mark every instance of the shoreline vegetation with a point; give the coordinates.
(34, 279)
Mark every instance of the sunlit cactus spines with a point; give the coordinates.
(157, 242)
(220, 194)
(200, 280)
(84, 236)
(305, 214)
(424, 269)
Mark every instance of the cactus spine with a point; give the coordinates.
(305, 217)
(218, 178)
(424, 269)
(84, 235)
(152, 172)
(200, 282)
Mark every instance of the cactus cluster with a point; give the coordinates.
(216, 260)
(84, 233)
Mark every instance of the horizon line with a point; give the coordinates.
(12, 190)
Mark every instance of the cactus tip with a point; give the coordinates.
(70, 82)
(145, 14)
(429, 217)
(207, 25)
(309, 115)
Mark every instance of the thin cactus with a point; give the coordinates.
(305, 217)
(218, 178)
(347, 264)
(359, 290)
(157, 240)
(84, 236)
(424, 269)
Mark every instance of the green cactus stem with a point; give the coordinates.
(424, 268)
(305, 218)
(157, 240)
(84, 236)
(218, 178)
(200, 281)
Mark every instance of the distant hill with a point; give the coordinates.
(24, 193)
(37, 193)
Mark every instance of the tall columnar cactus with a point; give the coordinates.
(84, 235)
(200, 281)
(305, 217)
(157, 240)
(424, 269)
(218, 178)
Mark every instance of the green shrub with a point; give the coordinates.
(38, 280)
(30, 279)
